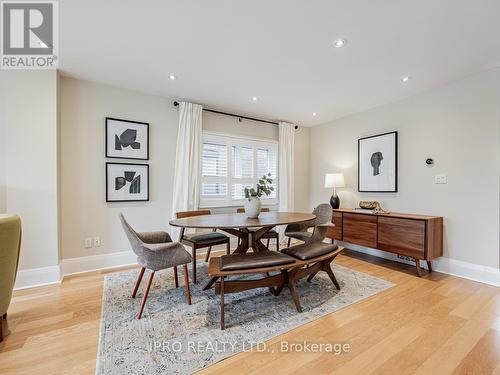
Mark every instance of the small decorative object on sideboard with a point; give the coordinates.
(253, 205)
(373, 206)
(334, 180)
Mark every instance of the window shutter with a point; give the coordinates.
(214, 164)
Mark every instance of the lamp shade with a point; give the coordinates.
(334, 180)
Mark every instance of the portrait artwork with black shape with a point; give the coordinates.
(376, 159)
(377, 163)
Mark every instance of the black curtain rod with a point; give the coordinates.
(237, 116)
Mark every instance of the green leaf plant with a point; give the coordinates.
(263, 187)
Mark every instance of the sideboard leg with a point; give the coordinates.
(429, 265)
(417, 265)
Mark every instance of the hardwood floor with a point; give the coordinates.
(437, 324)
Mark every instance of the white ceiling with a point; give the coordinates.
(227, 51)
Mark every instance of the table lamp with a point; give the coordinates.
(334, 180)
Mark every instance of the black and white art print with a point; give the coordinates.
(127, 182)
(378, 163)
(127, 139)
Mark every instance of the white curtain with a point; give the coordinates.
(187, 161)
(285, 169)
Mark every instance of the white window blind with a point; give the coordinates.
(230, 164)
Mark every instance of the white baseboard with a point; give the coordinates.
(33, 277)
(466, 270)
(97, 262)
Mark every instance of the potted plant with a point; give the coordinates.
(253, 204)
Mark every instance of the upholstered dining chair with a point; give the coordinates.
(201, 240)
(155, 251)
(269, 235)
(10, 244)
(300, 231)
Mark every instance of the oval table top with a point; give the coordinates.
(265, 219)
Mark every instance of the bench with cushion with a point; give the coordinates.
(292, 264)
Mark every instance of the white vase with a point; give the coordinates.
(253, 206)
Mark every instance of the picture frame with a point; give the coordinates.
(126, 139)
(378, 163)
(127, 182)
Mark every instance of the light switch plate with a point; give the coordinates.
(97, 241)
(440, 179)
(88, 242)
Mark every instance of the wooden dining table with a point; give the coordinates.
(250, 231)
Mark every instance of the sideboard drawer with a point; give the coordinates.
(360, 229)
(402, 236)
(336, 231)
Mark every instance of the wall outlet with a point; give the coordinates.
(97, 241)
(440, 179)
(88, 242)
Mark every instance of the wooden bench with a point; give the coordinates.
(290, 267)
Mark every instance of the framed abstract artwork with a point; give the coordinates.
(378, 163)
(127, 182)
(127, 139)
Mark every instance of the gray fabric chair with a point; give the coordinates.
(300, 231)
(155, 251)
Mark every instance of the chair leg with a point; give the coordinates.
(194, 265)
(139, 279)
(277, 244)
(176, 278)
(208, 253)
(186, 281)
(222, 323)
(267, 244)
(146, 292)
(289, 241)
(228, 247)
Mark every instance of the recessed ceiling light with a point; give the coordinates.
(405, 79)
(172, 77)
(254, 99)
(339, 43)
(314, 114)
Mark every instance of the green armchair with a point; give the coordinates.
(10, 243)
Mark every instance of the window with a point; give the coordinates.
(231, 164)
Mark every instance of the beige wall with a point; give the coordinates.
(85, 213)
(458, 126)
(84, 106)
(29, 165)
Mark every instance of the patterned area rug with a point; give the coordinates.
(175, 338)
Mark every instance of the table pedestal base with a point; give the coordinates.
(249, 239)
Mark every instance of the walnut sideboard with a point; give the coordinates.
(417, 236)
